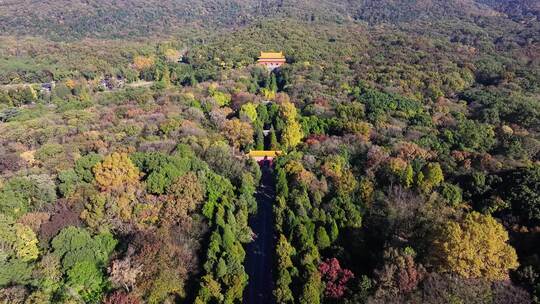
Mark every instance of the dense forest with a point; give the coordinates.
(410, 170)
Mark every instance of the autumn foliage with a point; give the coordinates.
(476, 248)
(115, 172)
(335, 278)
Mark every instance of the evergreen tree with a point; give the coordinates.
(283, 292)
(407, 177)
(334, 231)
(228, 238)
(259, 139)
(273, 140)
(221, 268)
(282, 188)
(262, 114)
(323, 241)
(311, 292)
(166, 77)
(284, 251)
(272, 83)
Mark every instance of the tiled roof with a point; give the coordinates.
(264, 153)
(271, 55)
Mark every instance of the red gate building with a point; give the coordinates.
(271, 60)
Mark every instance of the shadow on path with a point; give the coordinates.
(260, 252)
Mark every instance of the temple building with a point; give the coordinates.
(263, 155)
(271, 60)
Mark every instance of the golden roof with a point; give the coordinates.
(260, 153)
(272, 55)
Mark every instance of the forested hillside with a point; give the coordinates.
(61, 19)
(410, 170)
(522, 10)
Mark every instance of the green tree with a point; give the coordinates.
(75, 245)
(452, 194)
(407, 177)
(5, 98)
(262, 114)
(282, 187)
(47, 275)
(161, 169)
(166, 77)
(249, 111)
(312, 289)
(18, 249)
(221, 268)
(274, 145)
(470, 135)
(222, 99)
(61, 91)
(84, 165)
(285, 251)
(259, 139)
(432, 177)
(334, 231)
(29, 95)
(523, 193)
(282, 291)
(323, 241)
(210, 291)
(22, 194)
(86, 279)
(68, 182)
(271, 83)
(228, 238)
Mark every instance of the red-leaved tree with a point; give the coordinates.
(120, 297)
(335, 278)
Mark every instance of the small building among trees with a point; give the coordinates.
(272, 60)
(264, 158)
(47, 87)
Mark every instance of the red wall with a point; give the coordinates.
(271, 64)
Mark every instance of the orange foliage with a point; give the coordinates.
(141, 63)
(397, 165)
(34, 220)
(186, 193)
(70, 83)
(409, 151)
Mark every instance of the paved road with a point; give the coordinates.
(260, 253)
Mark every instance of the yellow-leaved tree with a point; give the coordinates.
(239, 133)
(26, 244)
(292, 132)
(116, 171)
(249, 111)
(173, 55)
(476, 247)
(18, 244)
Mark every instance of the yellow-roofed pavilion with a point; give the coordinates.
(259, 155)
(272, 60)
